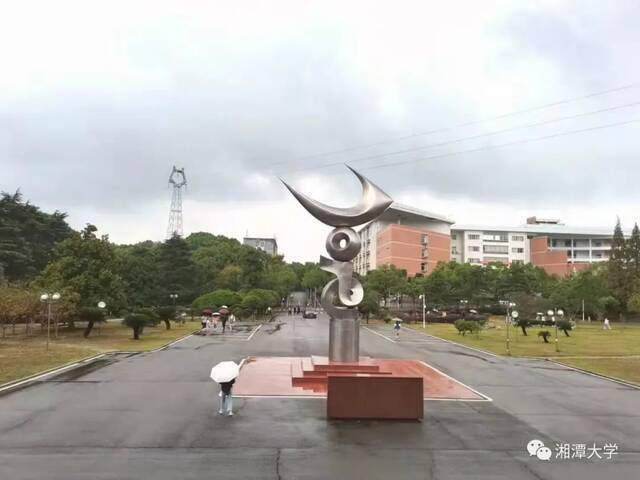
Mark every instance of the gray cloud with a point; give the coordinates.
(240, 100)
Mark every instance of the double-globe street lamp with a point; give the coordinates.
(511, 315)
(49, 298)
(173, 297)
(554, 313)
(424, 310)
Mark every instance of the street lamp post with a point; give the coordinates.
(49, 298)
(101, 306)
(463, 305)
(173, 297)
(424, 311)
(556, 312)
(511, 314)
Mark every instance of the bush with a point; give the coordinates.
(565, 326)
(217, 298)
(166, 314)
(544, 334)
(91, 315)
(137, 322)
(464, 326)
(153, 318)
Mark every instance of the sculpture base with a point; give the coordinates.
(308, 377)
(344, 338)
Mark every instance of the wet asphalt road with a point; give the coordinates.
(153, 416)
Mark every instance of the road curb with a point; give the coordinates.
(626, 383)
(29, 379)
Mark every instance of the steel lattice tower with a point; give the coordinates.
(178, 180)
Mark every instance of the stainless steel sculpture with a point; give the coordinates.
(341, 295)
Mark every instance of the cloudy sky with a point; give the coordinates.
(484, 111)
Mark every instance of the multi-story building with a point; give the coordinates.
(549, 244)
(411, 239)
(268, 245)
(416, 241)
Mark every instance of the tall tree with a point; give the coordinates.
(618, 272)
(177, 272)
(86, 265)
(633, 255)
(27, 237)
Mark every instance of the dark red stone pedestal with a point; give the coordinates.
(375, 397)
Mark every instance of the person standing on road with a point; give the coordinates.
(606, 325)
(226, 400)
(396, 328)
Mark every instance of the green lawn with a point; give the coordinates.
(21, 356)
(588, 347)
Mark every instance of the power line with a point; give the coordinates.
(508, 144)
(460, 125)
(473, 137)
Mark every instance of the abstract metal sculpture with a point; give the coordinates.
(343, 244)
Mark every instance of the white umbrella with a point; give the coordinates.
(225, 372)
(397, 319)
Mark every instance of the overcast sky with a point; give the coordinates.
(98, 100)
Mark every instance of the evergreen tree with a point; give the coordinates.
(177, 272)
(27, 237)
(633, 255)
(618, 272)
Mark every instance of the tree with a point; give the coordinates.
(27, 237)
(85, 265)
(217, 298)
(17, 305)
(138, 266)
(178, 272)
(386, 280)
(166, 314)
(258, 300)
(370, 303)
(618, 274)
(91, 315)
(280, 278)
(137, 322)
(230, 277)
(633, 255)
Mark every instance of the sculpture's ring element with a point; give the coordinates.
(330, 293)
(373, 202)
(351, 247)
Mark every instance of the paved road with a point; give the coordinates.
(154, 416)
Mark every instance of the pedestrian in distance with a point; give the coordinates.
(226, 399)
(232, 320)
(606, 325)
(396, 327)
(203, 322)
(223, 319)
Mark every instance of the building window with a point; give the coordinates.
(504, 249)
(513, 262)
(423, 267)
(496, 237)
(567, 243)
(473, 248)
(517, 238)
(517, 250)
(454, 236)
(425, 253)
(454, 251)
(474, 236)
(473, 260)
(424, 239)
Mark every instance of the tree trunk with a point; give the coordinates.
(87, 331)
(168, 324)
(136, 333)
(524, 330)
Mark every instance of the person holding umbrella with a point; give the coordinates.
(224, 315)
(396, 326)
(225, 374)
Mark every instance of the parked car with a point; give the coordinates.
(309, 314)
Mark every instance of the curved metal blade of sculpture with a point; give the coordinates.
(373, 202)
